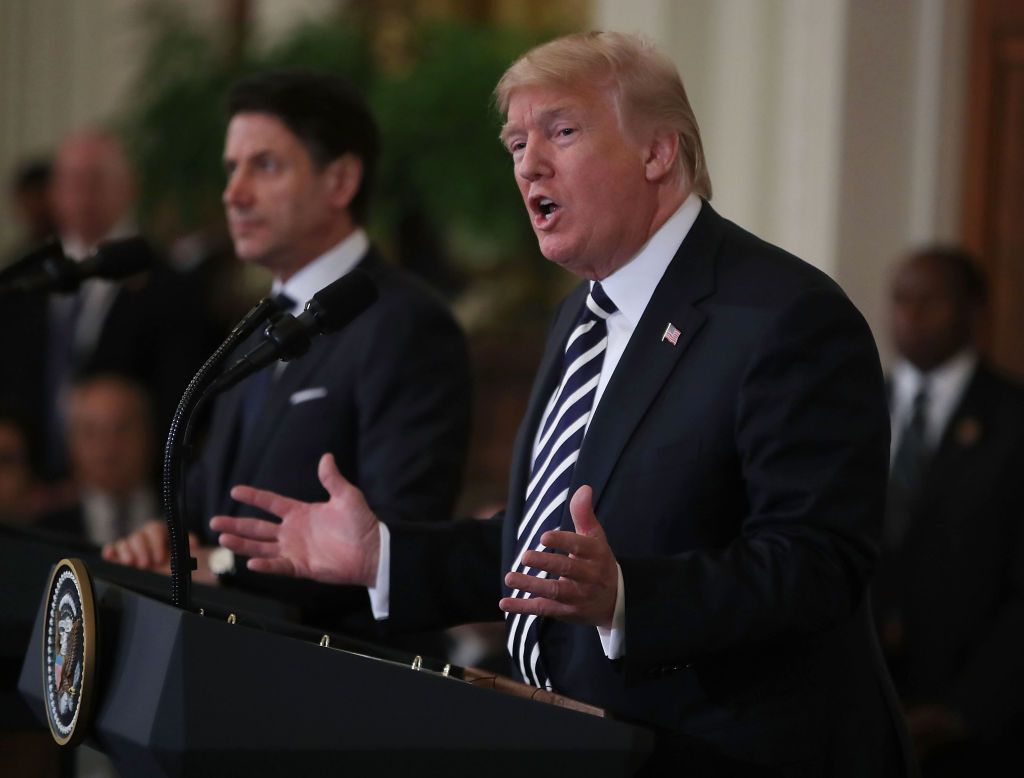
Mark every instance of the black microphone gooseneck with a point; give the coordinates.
(287, 337)
(178, 446)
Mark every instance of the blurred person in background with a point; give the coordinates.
(146, 326)
(111, 450)
(949, 593)
(31, 204)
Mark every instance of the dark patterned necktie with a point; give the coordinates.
(907, 472)
(555, 453)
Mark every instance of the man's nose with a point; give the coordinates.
(534, 162)
(237, 191)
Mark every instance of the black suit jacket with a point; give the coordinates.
(740, 478)
(152, 332)
(389, 396)
(957, 583)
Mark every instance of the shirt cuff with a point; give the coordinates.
(613, 640)
(380, 593)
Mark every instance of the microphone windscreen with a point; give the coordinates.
(340, 302)
(33, 260)
(120, 258)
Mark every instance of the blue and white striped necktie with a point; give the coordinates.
(555, 453)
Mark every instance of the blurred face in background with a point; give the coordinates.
(283, 211)
(930, 318)
(92, 189)
(109, 436)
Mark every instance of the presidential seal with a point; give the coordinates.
(69, 652)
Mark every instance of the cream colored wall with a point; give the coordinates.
(833, 127)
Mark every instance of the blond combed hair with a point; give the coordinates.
(647, 85)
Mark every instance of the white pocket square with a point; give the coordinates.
(305, 395)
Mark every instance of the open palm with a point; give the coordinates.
(337, 541)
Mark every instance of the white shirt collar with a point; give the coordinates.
(632, 285)
(946, 386)
(949, 378)
(328, 267)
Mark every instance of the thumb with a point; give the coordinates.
(332, 479)
(581, 508)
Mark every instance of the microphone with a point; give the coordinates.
(47, 269)
(289, 337)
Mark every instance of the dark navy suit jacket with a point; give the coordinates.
(740, 477)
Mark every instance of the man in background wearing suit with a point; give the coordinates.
(709, 417)
(388, 396)
(949, 595)
(145, 327)
(112, 454)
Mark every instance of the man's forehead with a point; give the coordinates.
(538, 105)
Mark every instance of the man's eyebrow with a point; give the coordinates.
(543, 117)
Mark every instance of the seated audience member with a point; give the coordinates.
(146, 327)
(949, 594)
(111, 450)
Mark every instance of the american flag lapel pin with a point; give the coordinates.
(671, 333)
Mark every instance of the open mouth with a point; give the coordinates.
(544, 209)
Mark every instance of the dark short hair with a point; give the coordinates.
(325, 112)
(966, 277)
(32, 176)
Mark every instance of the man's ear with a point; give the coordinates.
(343, 178)
(662, 151)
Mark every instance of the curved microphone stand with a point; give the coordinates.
(179, 438)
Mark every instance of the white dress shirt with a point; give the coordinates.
(325, 269)
(630, 288)
(945, 386)
(100, 514)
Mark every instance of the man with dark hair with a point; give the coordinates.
(387, 397)
(949, 594)
(30, 198)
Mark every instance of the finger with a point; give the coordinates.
(332, 479)
(571, 543)
(559, 564)
(158, 544)
(253, 529)
(250, 548)
(581, 508)
(551, 588)
(276, 566)
(138, 550)
(270, 502)
(108, 553)
(539, 606)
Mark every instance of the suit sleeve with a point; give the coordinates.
(811, 436)
(445, 573)
(414, 405)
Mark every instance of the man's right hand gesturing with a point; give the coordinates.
(337, 541)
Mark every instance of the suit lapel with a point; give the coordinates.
(649, 358)
(964, 432)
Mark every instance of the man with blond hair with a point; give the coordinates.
(698, 482)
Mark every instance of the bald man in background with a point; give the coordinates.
(145, 327)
